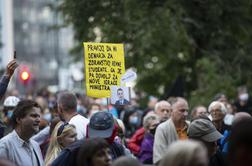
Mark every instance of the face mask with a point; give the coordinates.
(47, 117)
(244, 97)
(228, 119)
(9, 114)
(79, 109)
(133, 120)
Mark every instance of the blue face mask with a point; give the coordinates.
(47, 117)
(9, 114)
(133, 120)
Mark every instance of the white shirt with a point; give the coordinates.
(22, 153)
(80, 123)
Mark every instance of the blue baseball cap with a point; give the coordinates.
(101, 125)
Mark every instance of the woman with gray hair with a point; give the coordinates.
(217, 112)
(185, 153)
(150, 123)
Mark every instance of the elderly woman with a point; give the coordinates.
(217, 112)
(150, 123)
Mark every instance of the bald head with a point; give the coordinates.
(240, 116)
(179, 109)
(163, 110)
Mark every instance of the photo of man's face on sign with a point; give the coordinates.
(120, 95)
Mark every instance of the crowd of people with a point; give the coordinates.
(67, 129)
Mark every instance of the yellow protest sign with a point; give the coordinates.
(104, 65)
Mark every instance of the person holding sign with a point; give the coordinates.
(121, 100)
(11, 67)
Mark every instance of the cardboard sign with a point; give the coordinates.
(104, 65)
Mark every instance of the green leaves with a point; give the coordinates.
(206, 42)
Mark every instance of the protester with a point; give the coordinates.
(150, 124)
(67, 106)
(63, 135)
(94, 152)
(197, 111)
(81, 109)
(102, 125)
(132, 122)
(126, 161)
(221, 97)
(17, 146)
(171, 130)
(217, 112)
(240, 144)
(11, 67)
(9, 104)
(163, 110)
(185, 153)
(243, 102)
(45, 115)
(202, 129)
(238, 117)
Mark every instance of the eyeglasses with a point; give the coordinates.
(61, 128)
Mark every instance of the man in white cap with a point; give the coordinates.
(9, 104)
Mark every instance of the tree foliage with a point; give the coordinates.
(206, 42)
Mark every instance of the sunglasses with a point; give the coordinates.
(61, 128)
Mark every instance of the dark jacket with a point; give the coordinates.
(124, 102)
(68, 156)
(218, 159)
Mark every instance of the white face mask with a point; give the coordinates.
(244, 97)
(228, 119)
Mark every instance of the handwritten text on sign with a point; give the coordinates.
(104, 65)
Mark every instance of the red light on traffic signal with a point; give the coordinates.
(25, 75)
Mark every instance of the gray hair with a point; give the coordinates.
(148, 119)
(214, 103)
(159, 104)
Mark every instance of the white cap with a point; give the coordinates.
(11, 101)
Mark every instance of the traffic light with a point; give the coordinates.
(24, 75)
